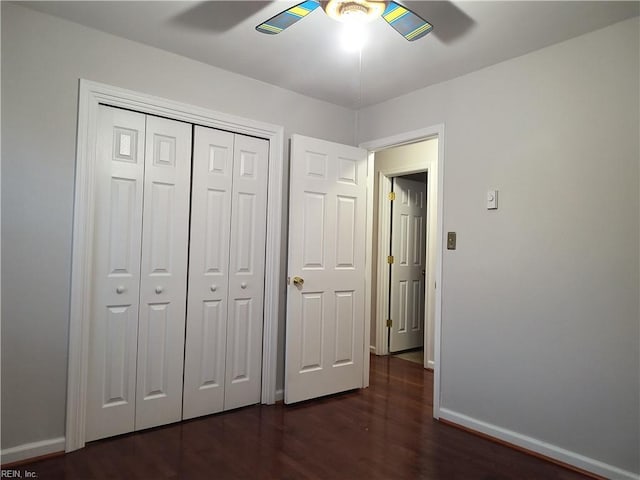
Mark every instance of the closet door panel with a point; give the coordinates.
(116, 273)
(246, 272)
(163, 272)
(207, 310)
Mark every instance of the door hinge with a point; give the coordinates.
(390, 259)
(392, 196)
(389, 323)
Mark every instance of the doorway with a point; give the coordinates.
(407, 259)
(407, 161)
(91, 96)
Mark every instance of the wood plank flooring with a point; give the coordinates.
(383, 432)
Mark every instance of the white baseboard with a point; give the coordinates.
(31, 450)
(279, 395)
(372, 349)
(538, 446)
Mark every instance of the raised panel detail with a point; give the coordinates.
(164, 151)
(245, 212)
(211, 362)
(345, 232)
(316, 165)
(311, 341)
(418, 244)
(405, 196)
(117, 355)
(404, 303)
(125, 145)
(215, 256)
(345, 322)
(313, 230)
(155, 371)
(418, 199)
(240, 340)
(122, 226)
(218, 159)
(247, 164)
(404, 240)
(347, 171)
(162, 198)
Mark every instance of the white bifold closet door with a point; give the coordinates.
(139, 259)
(223, 349)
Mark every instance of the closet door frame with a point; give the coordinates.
(91, 95)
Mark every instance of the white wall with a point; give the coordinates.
(42, 59)
(540, 327)
(541, 299)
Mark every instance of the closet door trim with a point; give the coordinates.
(91, 95)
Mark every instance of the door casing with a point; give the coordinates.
(91, 94)
(381, 283)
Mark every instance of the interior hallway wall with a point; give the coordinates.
(540, 326)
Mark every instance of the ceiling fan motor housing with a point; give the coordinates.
(354, 10)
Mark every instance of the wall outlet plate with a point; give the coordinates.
(451, 240)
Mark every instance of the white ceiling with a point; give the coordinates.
(308, 58)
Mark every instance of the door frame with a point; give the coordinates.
(414, 136)
(92, 94)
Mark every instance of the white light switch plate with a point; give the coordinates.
(492, 200)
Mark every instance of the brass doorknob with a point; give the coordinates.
(298, 281)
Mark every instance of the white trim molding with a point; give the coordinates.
(91, 95)
(280, 395)
(534, 445)
(369, 273)
(382, 285)
(403, 139)
(31, 450)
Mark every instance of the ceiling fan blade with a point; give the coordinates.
(408, 24)
(288, 17)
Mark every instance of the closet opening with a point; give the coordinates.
(136, 194)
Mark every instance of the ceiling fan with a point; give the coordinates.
(408, 24)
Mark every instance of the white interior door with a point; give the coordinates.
(408, 248)
(163, 282)
(223, 354)
(325, 309)
(113, 335)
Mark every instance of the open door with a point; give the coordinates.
(408, 249)
(326, 291)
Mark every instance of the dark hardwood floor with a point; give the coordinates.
(383, 432)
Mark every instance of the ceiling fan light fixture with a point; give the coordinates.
(353, 37)
(354, 11)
